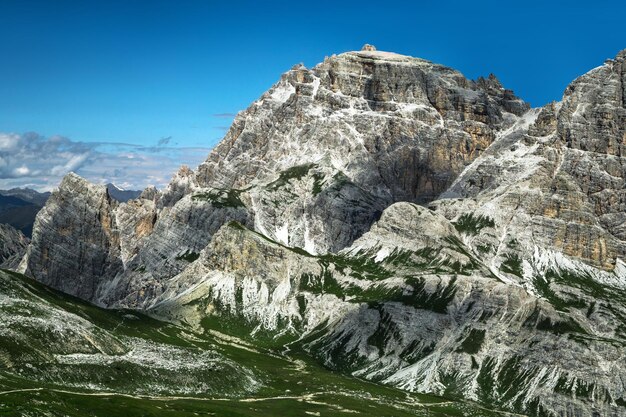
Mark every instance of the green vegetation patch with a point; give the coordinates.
(576, 386)
(558, 326)
(294, 173)
(543, 287)
(566, 289)
(188, 256)
(584, 282)
(464, 269)
(436, 301)
(512, 265)
(360, 266)
(472, 225)
(297, 173)
(473, 342)
(500, 384)
(221, 198)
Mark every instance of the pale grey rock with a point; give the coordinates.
(560, 179)
(177, 237)
(429, 330)
(313, 207)
(150, 193)
(388, 127)
(13, 245)
(398, 126)
(135, 222)
(75, 243)
(311, 164)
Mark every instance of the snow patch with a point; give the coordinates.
(282, 234)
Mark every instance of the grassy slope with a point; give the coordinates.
(290, 384)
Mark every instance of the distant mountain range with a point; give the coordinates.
(28, 195)
(122, 195)
(19, 207)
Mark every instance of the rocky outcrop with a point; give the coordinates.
(75, 245)
(410, 305)
(13, 245)
(558, 184)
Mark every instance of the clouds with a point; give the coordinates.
(40, 162)
(32, 155)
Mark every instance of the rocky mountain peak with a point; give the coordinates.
(355, 105)
(593, 113)
(182, 183)
(149, 193)
(74, 183)
(75, 228)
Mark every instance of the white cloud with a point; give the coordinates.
(22, 171)
(31, 160)
(8, 142)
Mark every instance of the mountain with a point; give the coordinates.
(19, 207)
(28, 195)
(122, 195)
(395, 221)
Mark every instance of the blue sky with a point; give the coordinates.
(161, 79)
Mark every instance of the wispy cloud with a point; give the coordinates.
(40, 162)
(225, 115)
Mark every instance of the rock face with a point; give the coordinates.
(401, 127)
(562, 180)
(75, 241)
(302, 224)
(12, 246)
(422, 314)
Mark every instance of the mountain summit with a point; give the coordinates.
(396, 221)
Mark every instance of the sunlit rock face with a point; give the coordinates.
(560, 183)
(75, 242)
(407, 225)
(401, 127)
